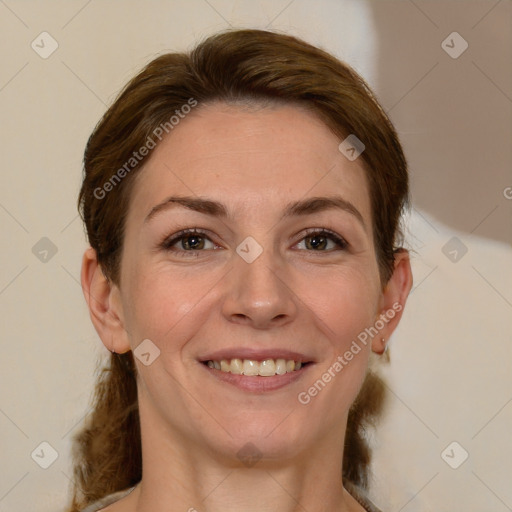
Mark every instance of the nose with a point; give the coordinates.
(259, 294)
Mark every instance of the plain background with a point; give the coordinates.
(449, 375)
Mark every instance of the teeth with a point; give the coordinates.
(250, 367)
(281, 366)
(237, 366)
(266, 368)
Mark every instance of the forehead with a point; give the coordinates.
(251, 158)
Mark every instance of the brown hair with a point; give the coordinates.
(236, 65)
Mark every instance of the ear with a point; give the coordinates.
(392, 301)
(104, 302)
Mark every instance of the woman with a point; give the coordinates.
(242, 204)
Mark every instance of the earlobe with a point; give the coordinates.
(393, 299)
(105, 312)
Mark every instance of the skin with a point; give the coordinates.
(293, 296)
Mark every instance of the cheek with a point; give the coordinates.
(161, 306)
(344, 301)
(344, 306)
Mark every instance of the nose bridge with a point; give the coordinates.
(258, 293)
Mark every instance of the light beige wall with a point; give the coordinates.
(450, 371)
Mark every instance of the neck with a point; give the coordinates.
(184, 475)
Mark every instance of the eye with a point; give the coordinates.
(318, 240)
(194, 240)
(188, 240)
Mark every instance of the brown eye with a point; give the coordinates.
(189, 240)
(318, 241)
(192, 242)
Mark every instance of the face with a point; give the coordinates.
(267, 275)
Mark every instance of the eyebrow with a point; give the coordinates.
(296, 208)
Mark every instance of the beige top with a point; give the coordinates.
(107, 500)
(361, 497)
(358, 493)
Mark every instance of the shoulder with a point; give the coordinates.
(99, 505)
(361, 496)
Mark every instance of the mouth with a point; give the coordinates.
(252, 367)
(256, 371)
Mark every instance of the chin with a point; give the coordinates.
(266, 440)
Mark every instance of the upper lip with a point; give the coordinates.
(256, 354)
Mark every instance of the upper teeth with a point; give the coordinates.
(266, 368)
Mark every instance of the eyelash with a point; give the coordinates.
(168, 242)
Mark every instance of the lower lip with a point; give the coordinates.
(257, 383)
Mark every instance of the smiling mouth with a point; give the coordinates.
(251, 367)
